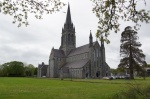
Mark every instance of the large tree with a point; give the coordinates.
(19, 9)
(29, 70)
(13, 68)
(109, 12)
(132, 57)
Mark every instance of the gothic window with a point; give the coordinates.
(97, 52)
(64, 39)
(94, 55)
(68, 37)
(72, 38)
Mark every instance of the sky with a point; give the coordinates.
(32, 44)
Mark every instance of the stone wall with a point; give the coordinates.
(77, 57)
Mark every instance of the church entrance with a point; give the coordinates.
(86, 75)
(98, 74)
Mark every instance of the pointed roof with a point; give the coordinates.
(90, 34)
(58, 53)
(68, 18)
(102, 41)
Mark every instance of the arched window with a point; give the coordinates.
(68, 37)
(72, 38)
(97, 52)
(94, 55)
(64, 39)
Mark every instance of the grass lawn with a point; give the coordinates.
(44, 88)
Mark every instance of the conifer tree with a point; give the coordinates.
(132, 57)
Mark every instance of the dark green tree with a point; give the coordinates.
(19, 9)
(132, 57)
(35, 71)
(29, 70)
(1, 72)
(114, 71)
(13, 69)
(109, 12)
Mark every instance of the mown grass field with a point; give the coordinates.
(44, 88)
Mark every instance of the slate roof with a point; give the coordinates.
(41, 66)
(77, 64)
(79, 50)
(76, 51)
(58, 53)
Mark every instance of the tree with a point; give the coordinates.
(132, 57)
(109, 12)
(148, 65)
(1, 73)
(114, 71)
(20, 9)
(35, 71)
(13, 69)
(29, 70)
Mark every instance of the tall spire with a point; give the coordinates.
(68, 18)
(90, 40)
(90, 35)
(68, 39)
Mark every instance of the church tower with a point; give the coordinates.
(68, 38)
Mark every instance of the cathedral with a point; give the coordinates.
(69, 61)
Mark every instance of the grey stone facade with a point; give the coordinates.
(42, 70)
(87, 61)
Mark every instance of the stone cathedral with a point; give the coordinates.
(69, 61)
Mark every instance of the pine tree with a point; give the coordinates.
(132, 57)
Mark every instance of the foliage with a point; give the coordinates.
(148, 65)
(134, 92)
(13, 68)
(132, 57)
(109, 12)
(1, 70)
(35, 70)
(114, 71)
(20, 9)
(117, 71)
(17, 69)
(29, 70)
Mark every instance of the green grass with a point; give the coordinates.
(36, 88)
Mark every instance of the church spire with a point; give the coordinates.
(90, 40)
(68, 26)
(68, 39)
(68, 18)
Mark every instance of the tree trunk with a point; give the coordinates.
(131, 61)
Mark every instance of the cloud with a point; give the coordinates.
(33, 44)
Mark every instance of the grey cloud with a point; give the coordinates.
(33, 44)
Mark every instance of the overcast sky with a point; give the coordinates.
(32, 44)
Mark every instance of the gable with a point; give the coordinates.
(96, 44)
(57, 53)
